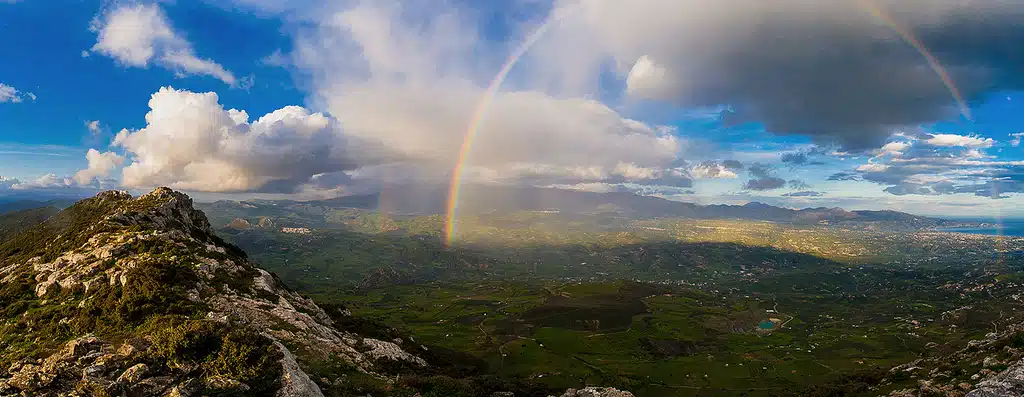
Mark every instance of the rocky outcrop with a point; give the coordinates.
(238, 224)
(597, 392)
(1009, 383)
(102, 275)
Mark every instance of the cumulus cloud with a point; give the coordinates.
(137, 35)
(648, 79)
(959, 141)
(13, 95)
(100, 166)
(830, 70)
(895, 148)
(191, 142)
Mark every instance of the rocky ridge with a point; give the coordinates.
(137, 296)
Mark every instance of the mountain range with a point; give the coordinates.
(480, 199)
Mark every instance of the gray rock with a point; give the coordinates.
(295, 382)
(133, 375)
(1009, 383)
(30, 377)
(94, 371)
(597, 392)
(188, 388)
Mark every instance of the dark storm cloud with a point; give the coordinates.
(836, 74)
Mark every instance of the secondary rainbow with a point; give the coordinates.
(474, 126)
(488, 96)
(933, 62)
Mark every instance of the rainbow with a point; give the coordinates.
(933, 62)
(455, 184)
(474, 125)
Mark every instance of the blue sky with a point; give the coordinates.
(346, 97)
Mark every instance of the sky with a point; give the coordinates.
(912, 105)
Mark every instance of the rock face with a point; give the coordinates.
(191, 314)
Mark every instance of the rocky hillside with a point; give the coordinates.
(136, 296)
(989, 367)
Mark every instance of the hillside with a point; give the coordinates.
(136, 296)
(14, 222)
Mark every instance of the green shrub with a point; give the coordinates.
(217, 349)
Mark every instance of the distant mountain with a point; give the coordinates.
(16, 221)
(10, 204)
(478, 199)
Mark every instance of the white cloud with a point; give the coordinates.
(953, 140)
(712, 170)
(872, 167)
(100, 166)
(895, 148)
(94, 127)
(1016, 139)
(191, 142)
(647, 79)
(44, 182)
(136, 35)
(13, 95)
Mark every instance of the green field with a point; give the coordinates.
(660, 340)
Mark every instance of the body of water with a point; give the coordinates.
(991, 228)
